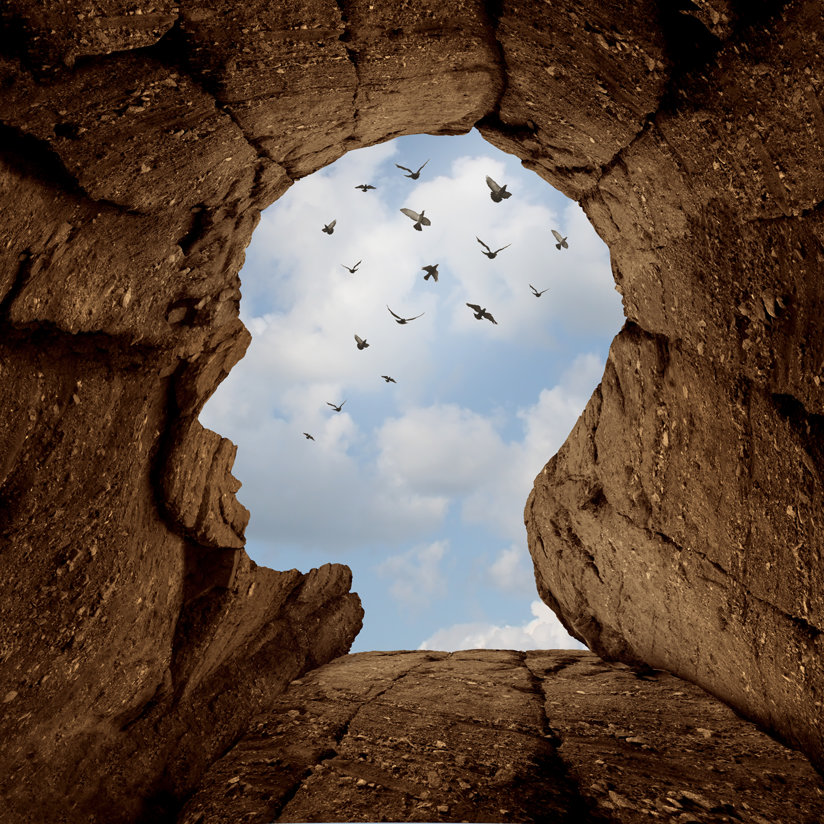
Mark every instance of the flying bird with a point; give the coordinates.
(536, 292)
(361, 342)
(336, 408)
(402, 321)
(489, 253)
(480, 313)
(412, 175)
(562, 241)
(308, 436)
(418, 218)
(497, 193)
(388, 379)
(330, 227)
(352, 269)
(365, 187)
(431, 272)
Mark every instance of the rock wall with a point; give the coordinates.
(679, 525)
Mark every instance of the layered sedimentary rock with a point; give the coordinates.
(679, 525)
(503, 736)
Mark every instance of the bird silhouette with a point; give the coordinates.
(418, 218)
(489, 253)
(336, 408)
(480, 313)
(308, 436)
(365, 187)
(330, 227)
(402, 321)
(431, 272)
(352, 269)
(361, 342)
(388, 379)
(497, 193)
(562, 241)
(536, 292)
(412, 175)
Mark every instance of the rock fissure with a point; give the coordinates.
(494, 10)
(808, 628)
(17, 282)
(605, 758)
(345, 38)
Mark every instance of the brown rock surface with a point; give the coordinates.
(681, 523)
(490, 735)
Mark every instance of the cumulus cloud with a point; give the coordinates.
(544, 631)
(416, 576)
(511, 571)
(498, 499)
(440, 449)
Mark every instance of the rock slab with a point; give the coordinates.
(495, 735)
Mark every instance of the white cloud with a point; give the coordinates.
(544, 631)
(512, 571)
(499, 497)
(316, 493)
(441, 449)
(416, 575)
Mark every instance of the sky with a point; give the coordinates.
(419, 485)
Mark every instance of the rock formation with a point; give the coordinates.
(678, 526)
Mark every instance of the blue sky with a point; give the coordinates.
(418, 486)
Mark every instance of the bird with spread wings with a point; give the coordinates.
(489, 253)
(419, 219)
(402, 321)
(412, 175)
(496, 192)
(480, 313)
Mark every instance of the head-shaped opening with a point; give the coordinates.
(411, 459)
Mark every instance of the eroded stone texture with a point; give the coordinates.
(581, 83)
(679, 525)
(53, 32)
(503, 736)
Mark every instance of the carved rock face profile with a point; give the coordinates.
(679, 525)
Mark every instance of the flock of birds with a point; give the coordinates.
(497, 194)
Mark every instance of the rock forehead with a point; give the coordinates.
(680, 523)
